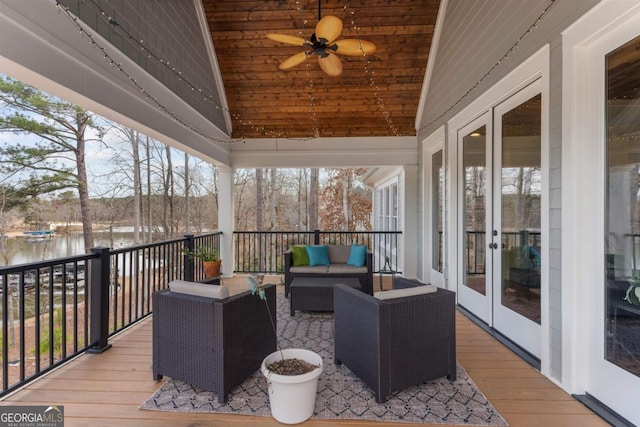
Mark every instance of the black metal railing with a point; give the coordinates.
(263, 251)
(57, 309)
(45, 317)
(476, 247)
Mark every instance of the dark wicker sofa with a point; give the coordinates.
(396, 343)
(338, 256)
(211, 343)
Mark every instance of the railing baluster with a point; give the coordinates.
(75, 305)
(51, 315)
(22, 317)
(5, 332)
(37, 317)
(63, 316)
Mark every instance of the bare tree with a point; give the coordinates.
(148, 225)
(259, 200)
(187, 189)
(137, 193)
(314, 190)
(345, 205)
(272, 199)
(167, 196)
(130, 165)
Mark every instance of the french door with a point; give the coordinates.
(500, 221)
(613, 129)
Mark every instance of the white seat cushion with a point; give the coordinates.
(199, 289)
(346, 269)
(317, 269)
(399, 293)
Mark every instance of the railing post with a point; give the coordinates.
(316, 237)
(99, 304)
(189, 262)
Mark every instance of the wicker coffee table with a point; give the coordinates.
(316, 293)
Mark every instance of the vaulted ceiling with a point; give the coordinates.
(376, 95)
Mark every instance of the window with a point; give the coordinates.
(437, 225)
(622, 208)
(388, 213)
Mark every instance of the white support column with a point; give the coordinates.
(410, 222)
(226, 218)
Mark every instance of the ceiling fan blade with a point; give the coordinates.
(294, 60)
(354, 47)
(331, 64)
(284, 38)
(328, 29)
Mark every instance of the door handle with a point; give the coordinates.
(493, 246)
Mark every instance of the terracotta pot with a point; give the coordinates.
(212, 268)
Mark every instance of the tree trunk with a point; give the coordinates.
(214, 175)
(187, 228)
(4, 250)
(149, 214)
(83, 191)
(135, 142)
(272, 199)
(303, 199)
(314, 189)
(346, 189)
(4, 244)
(167, 196)
(172, 192)
(259, 193)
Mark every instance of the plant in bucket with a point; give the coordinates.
(632, 296)
(291, 374)
(210, 258)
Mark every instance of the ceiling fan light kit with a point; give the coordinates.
(323, 44)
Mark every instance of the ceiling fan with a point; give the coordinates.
(324, 45)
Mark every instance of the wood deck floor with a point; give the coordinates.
(106, 389)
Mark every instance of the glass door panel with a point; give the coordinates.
(437, 206)
(517, 264)
(622, 212)
(474, 175)
(521, 190)
(475, 217)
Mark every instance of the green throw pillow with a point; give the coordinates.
(299, 255)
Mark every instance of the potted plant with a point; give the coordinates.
(210, 259)
(291, 374)
(632, 296)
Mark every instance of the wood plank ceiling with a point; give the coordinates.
(376, 95)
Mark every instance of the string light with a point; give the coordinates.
(370, 73)
(165, 63)
(504, 57)
(151, 99)
(139, 43)
(310, 86)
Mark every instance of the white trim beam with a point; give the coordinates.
(326, 152)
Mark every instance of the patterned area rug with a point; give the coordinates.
(341, 394)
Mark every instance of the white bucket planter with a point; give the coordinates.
(292, 397)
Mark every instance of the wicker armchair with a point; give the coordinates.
(211, 343)
(397, 343)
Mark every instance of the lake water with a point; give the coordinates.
(26, 250)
